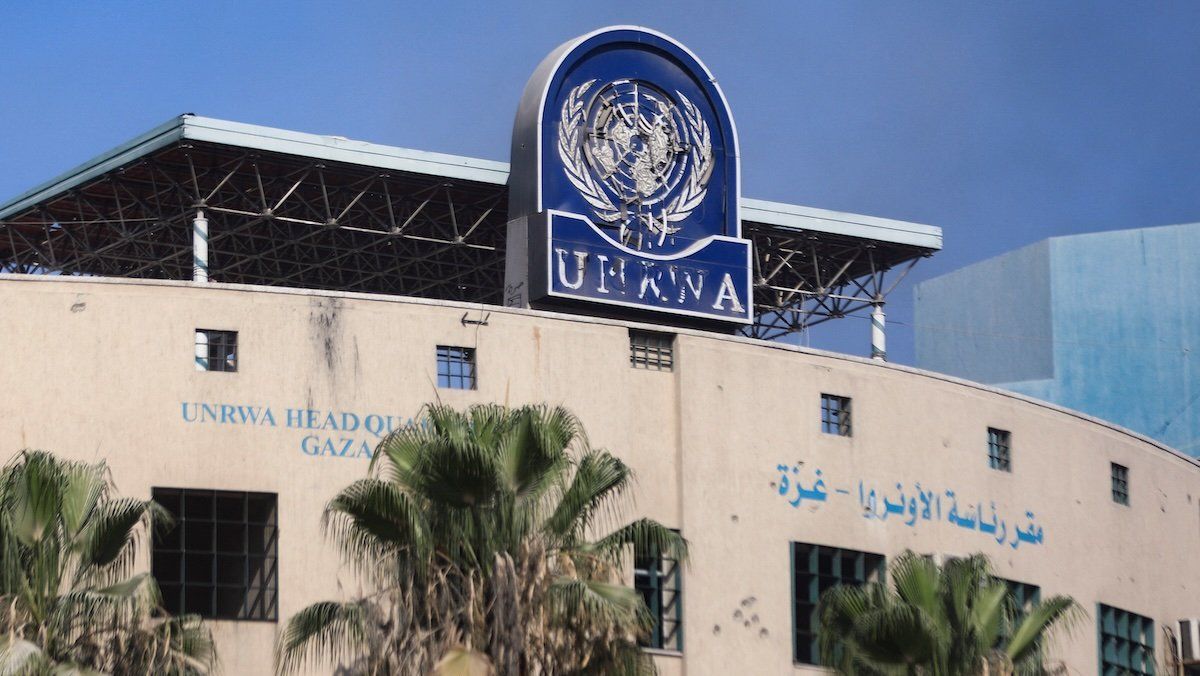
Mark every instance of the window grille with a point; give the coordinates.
(1021, 598)
(219, 560)
(815, 569)
(658, 579)
(835, 415)
(1120, 484)
(999, 450)
(1126, 642)
(216, 350)
(650, 350)
(456, 367)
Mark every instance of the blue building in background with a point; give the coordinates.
(1103, 323)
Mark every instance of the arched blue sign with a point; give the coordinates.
(624, 185)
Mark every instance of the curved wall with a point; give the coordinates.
(103, 369)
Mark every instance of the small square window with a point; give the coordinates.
(216, 350)
(456, 367)
(999, 449)
(659, 582)
(835, 415)
(651, 350)
(218, 560)
(1120, 484)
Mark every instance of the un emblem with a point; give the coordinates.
(640, 157)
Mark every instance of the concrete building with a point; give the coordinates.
(103, 369)
(1104, 323)
(232, 316)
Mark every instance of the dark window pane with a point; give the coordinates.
(230, 507)
(229, 601)
(219, 585)
(231, 570)
(198, 568)
(260, 508)
(170, 539)
(230, 537)
(170, 501)
(172, 595)
(198, 535)
(198, 505)
(261, 540)
(167, 566)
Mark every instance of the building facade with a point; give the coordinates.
(232, 317)
(787, 469)
(1104, 323)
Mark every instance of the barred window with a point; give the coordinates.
(999, 449)
(216, 350)
(1120, 484)
(815, 569)
(1021, 598)
(651, 350)
(456, 367)
(1126, 642)
(219, 559)
(659, 581)
(835, 415)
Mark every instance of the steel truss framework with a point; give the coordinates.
(286, 220)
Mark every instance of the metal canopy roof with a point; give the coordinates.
(294, 209)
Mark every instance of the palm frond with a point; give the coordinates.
(1056, 612)
(599, 477)
(330, 632)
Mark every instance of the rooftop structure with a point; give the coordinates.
(280, 208)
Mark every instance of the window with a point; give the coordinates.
(219, 559)
(1120, 484)
(999, 450)
(650, 350)
(1126, 642)
(1022, 597)
(815, 569)
(835, 415)
(658, 580)
(216, 350)
(456, 367)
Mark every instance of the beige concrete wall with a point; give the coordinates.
(100, 369)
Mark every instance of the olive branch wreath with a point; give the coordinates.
(570, 150)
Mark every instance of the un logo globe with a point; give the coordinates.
(639, 156)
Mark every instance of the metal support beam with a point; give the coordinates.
(199, 247)
(878, 337)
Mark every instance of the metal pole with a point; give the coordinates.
(199, 247)
(878, 338)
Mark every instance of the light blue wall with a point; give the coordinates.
(1108, 330)
(989, 322)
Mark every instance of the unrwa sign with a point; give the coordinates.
(624, 187)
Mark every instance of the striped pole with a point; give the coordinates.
(878, 338)
(199, 247)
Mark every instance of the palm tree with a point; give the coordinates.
(481, 537)
(71, 604)
(949, 621)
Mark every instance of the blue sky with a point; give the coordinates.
(1002, 123)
